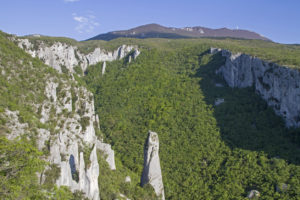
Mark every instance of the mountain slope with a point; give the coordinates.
(49, 132)
(215, 142)
(158, 31)
(206, 151)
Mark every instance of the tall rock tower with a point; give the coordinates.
(152, 171)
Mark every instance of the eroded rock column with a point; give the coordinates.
(152, 171)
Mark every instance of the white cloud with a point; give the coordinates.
(80, 19)
(86, 23)
(71, 0)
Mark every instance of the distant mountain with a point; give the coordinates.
(158, 31)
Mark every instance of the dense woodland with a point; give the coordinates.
(206, 151)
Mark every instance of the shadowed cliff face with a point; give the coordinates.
(245, 119)
(279, 86)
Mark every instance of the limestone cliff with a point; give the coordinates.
(59, 55)
(76, 127)
(67, 134)
(152, 171)
(72, 108)
(277, 85)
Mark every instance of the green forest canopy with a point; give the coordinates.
(206, 152)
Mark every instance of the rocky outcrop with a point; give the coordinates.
(69, 110)
(75, 134)
(103, 67)
(127, 179)
(61, 119)
(253, 194)
(279, 86)
(62, 56)
(110, 154)
(152, 171)
(17, 128)
(92, 176)
(66, 122)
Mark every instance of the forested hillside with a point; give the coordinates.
(22, 83)
(209, 149)
(26, 171)
(206, 151)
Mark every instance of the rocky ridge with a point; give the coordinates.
(61, 55)
(72, 138)
(68, 123)
(152, 171)
(277, 85)
(159, 31)
(73, 146)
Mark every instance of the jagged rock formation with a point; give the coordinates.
(103, 67)
(279, 86)
(68, 116)
(110, 154)
(60, 55)
(76, 133)
(152, 171)
(72, 109)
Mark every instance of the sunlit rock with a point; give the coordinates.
(152, 171)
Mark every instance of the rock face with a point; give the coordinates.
(152, 171)
(279, 86)
(103, 67)
(60, 55)
(127, 179)
(66, 131)
(92, 176)
(253, 194)
(110, 154)
(71, 107)
(76, 133)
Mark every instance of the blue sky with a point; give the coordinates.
(81, 19)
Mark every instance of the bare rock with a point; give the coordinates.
(92, 176)
(103, 67)
(127, 179)
(152, 171)
(278, 85)
(109, 153)
(253, 194)
(60, 55)
(214, 50)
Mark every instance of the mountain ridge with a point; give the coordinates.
(158, 31)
